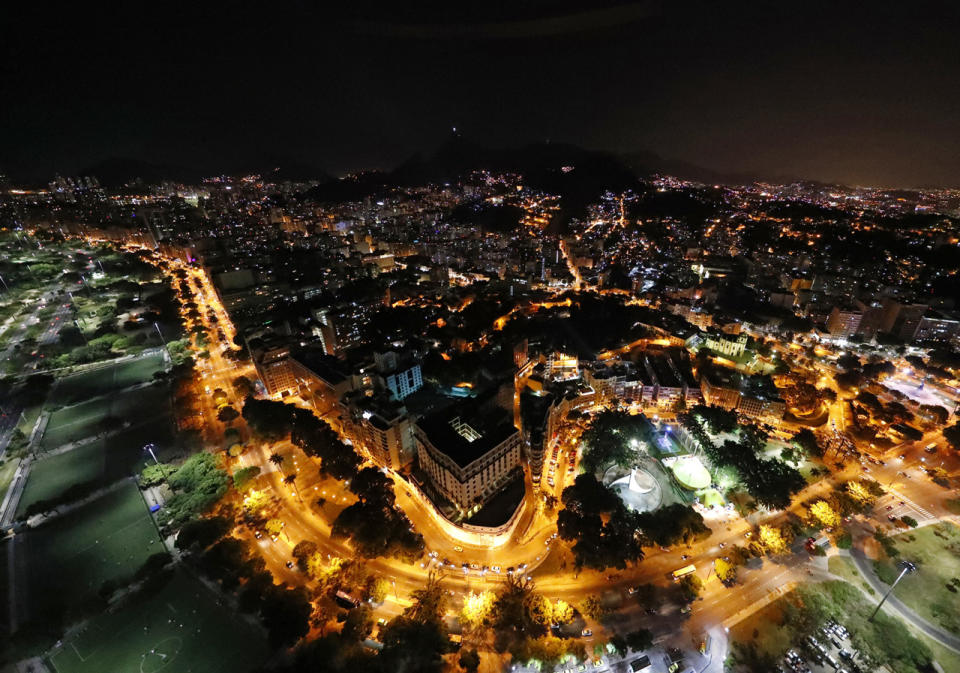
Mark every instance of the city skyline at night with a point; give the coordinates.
(540, 338)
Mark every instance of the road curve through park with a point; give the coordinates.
(945, 638)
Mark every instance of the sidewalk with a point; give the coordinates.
(8, 508)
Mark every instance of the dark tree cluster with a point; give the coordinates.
(952, 435)
(318, 440)
(608, 440)
(717, 419)
(269, 419)
(374, 525)
(808, 442)
(604, 533)
(673, 524)
(769, 481)
(285, 612)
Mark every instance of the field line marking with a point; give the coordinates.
(107, 537)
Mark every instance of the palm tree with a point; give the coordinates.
(276, 459)
(291, 480)
(550, 501)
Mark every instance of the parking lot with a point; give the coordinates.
(829, 651)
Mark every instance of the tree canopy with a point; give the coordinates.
(605, 534)
(612, 439)
(318, 440)
(197, 484)
(717, 419)
(269, 419)
(952, 435)
(769, 481)
(673, 524)
(417, 639)
(374, 525)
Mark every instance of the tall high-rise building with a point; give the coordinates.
(901, 319)
(274, 369)
(467, 453)
(400, 373)
(844, 322)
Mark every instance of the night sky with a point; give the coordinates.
(866, 94)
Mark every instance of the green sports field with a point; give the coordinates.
(181, 628)
(104, 460)
(83, 420)
(50, 477)
(88, 384)
(67, 559)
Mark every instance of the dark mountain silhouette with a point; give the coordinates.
(645, 163)
(541, 165)
(117, 171)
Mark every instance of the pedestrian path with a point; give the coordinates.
(865, 568)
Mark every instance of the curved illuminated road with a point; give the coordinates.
(531, 546)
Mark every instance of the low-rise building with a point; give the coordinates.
(732, 346)
(753, 396)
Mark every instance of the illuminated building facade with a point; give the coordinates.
(468, 457)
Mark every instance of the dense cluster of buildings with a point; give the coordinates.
(448, 345)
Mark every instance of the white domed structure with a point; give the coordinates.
(639, 490)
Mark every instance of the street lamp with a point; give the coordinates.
(907, 568)
(149, 448)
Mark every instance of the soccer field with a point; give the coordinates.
(83, 420)
(71, 556)
(104, 460)
(50, 477)
(181, 628)
(83, 386)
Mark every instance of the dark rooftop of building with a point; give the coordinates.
(614, 369)
(502, 506)
(491, 425)
(662, 369)
(534, 409)
(759, 386)
(327, 367)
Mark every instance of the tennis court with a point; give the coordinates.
(182, 628)
(689, 471)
